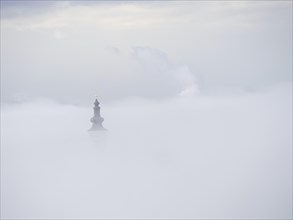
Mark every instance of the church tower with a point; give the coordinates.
(97, 120)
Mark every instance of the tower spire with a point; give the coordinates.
(97, 120)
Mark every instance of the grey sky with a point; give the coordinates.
(68, 51)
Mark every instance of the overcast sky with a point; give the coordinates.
(70, 51)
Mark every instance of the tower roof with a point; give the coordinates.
(96, 102)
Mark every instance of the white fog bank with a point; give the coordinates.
(201, 157)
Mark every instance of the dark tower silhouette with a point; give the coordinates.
(97, 120)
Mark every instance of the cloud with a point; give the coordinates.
(208, 157)
(159, 76)
(214, 46)
(59, 35)
(29, 8)
(140, 14)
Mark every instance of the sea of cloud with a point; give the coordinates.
(183, 157)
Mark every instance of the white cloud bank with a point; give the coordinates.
(209, 157)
